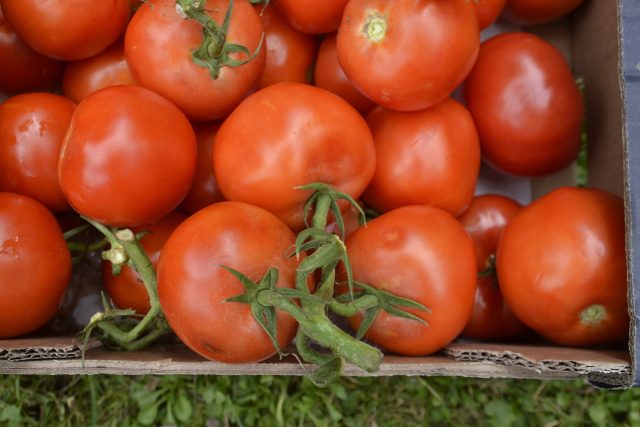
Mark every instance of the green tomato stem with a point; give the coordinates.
(352, 308)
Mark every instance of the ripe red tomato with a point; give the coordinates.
(159, 44)
(487, 11)
(68, 30)
(429, 157)
(562, 267)
(408, 55)
(290, 53)
(314, 17)
(329, 75)
(193, 286)
(35, 265)
(126, 289)
(421, 253)
(291, 134)
(484, 220)
(532, 12)
(23, 69)
(108, 68)
(32, 128)
(518, 88)
(128, 158)
(204, 188)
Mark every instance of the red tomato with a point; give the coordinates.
(484, 220)
(159, 44)
(429, 157)
(516, 92)
(128, 158)
(487, 11)
(291, 134)
(126, 289)
(562, 267)
(32, 128)
(193, 286)
(290, 53)
(35, 265)
(108, 68)
(421, 253)
(408, 55)
(204, 188)
(329, 75)
(23, 69)
(532, 12)
(68, 30)
(310, 16)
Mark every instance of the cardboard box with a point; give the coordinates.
(603, 42)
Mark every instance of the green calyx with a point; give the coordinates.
(375, 27)
(593, 315)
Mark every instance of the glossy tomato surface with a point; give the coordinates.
(32, 128)
(287, 135)
(516, 92)
(193, 286)
(159, 44)
(562, 267)
(487, 11)
(532, 12)
(128, 158)
(408, 55)
(429, 157)
(484, 220)
(35, 265)
(421, 253)
(68, 30)
(309, 16)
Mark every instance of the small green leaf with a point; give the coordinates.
(367, 320)
(182, 407)
(147, 415)
(327, 373)
(10, 413)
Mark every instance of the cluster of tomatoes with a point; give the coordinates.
(194, 124)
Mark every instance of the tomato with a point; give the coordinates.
(532, 12)
(193, 286)
(290, 53)
(487, 11)
(108, 68)
(429, 157)
(204, 188)
(32, 128)
(68, 30)
(329, 75)
(562, 267)
(128, 158)
(314, 17)
(159, 44)
(421, 253)
(518, 88)
(23, 69)
(126, 289)
(35, 265)
(408, 55)
(484, 220)
(291, 134)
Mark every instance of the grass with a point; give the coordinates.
(293, 401)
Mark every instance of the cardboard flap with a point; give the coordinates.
(47, 348)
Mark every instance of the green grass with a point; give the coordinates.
(293, 401)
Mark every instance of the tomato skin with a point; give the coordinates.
(35, 267)
(410, 66)
(484, 220)
(23, 69)
(429, 157)
(128, 158)
(126, 289)
(487, 11)
(193, 286)
(290, 53)
(32, 128)
(561, 254)
(159, 44)
(68, 30)
(291, 134)
(329, 75)
(518, 88)
(107, 68)
(311, 16)
(421, 253)
(533, 12)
